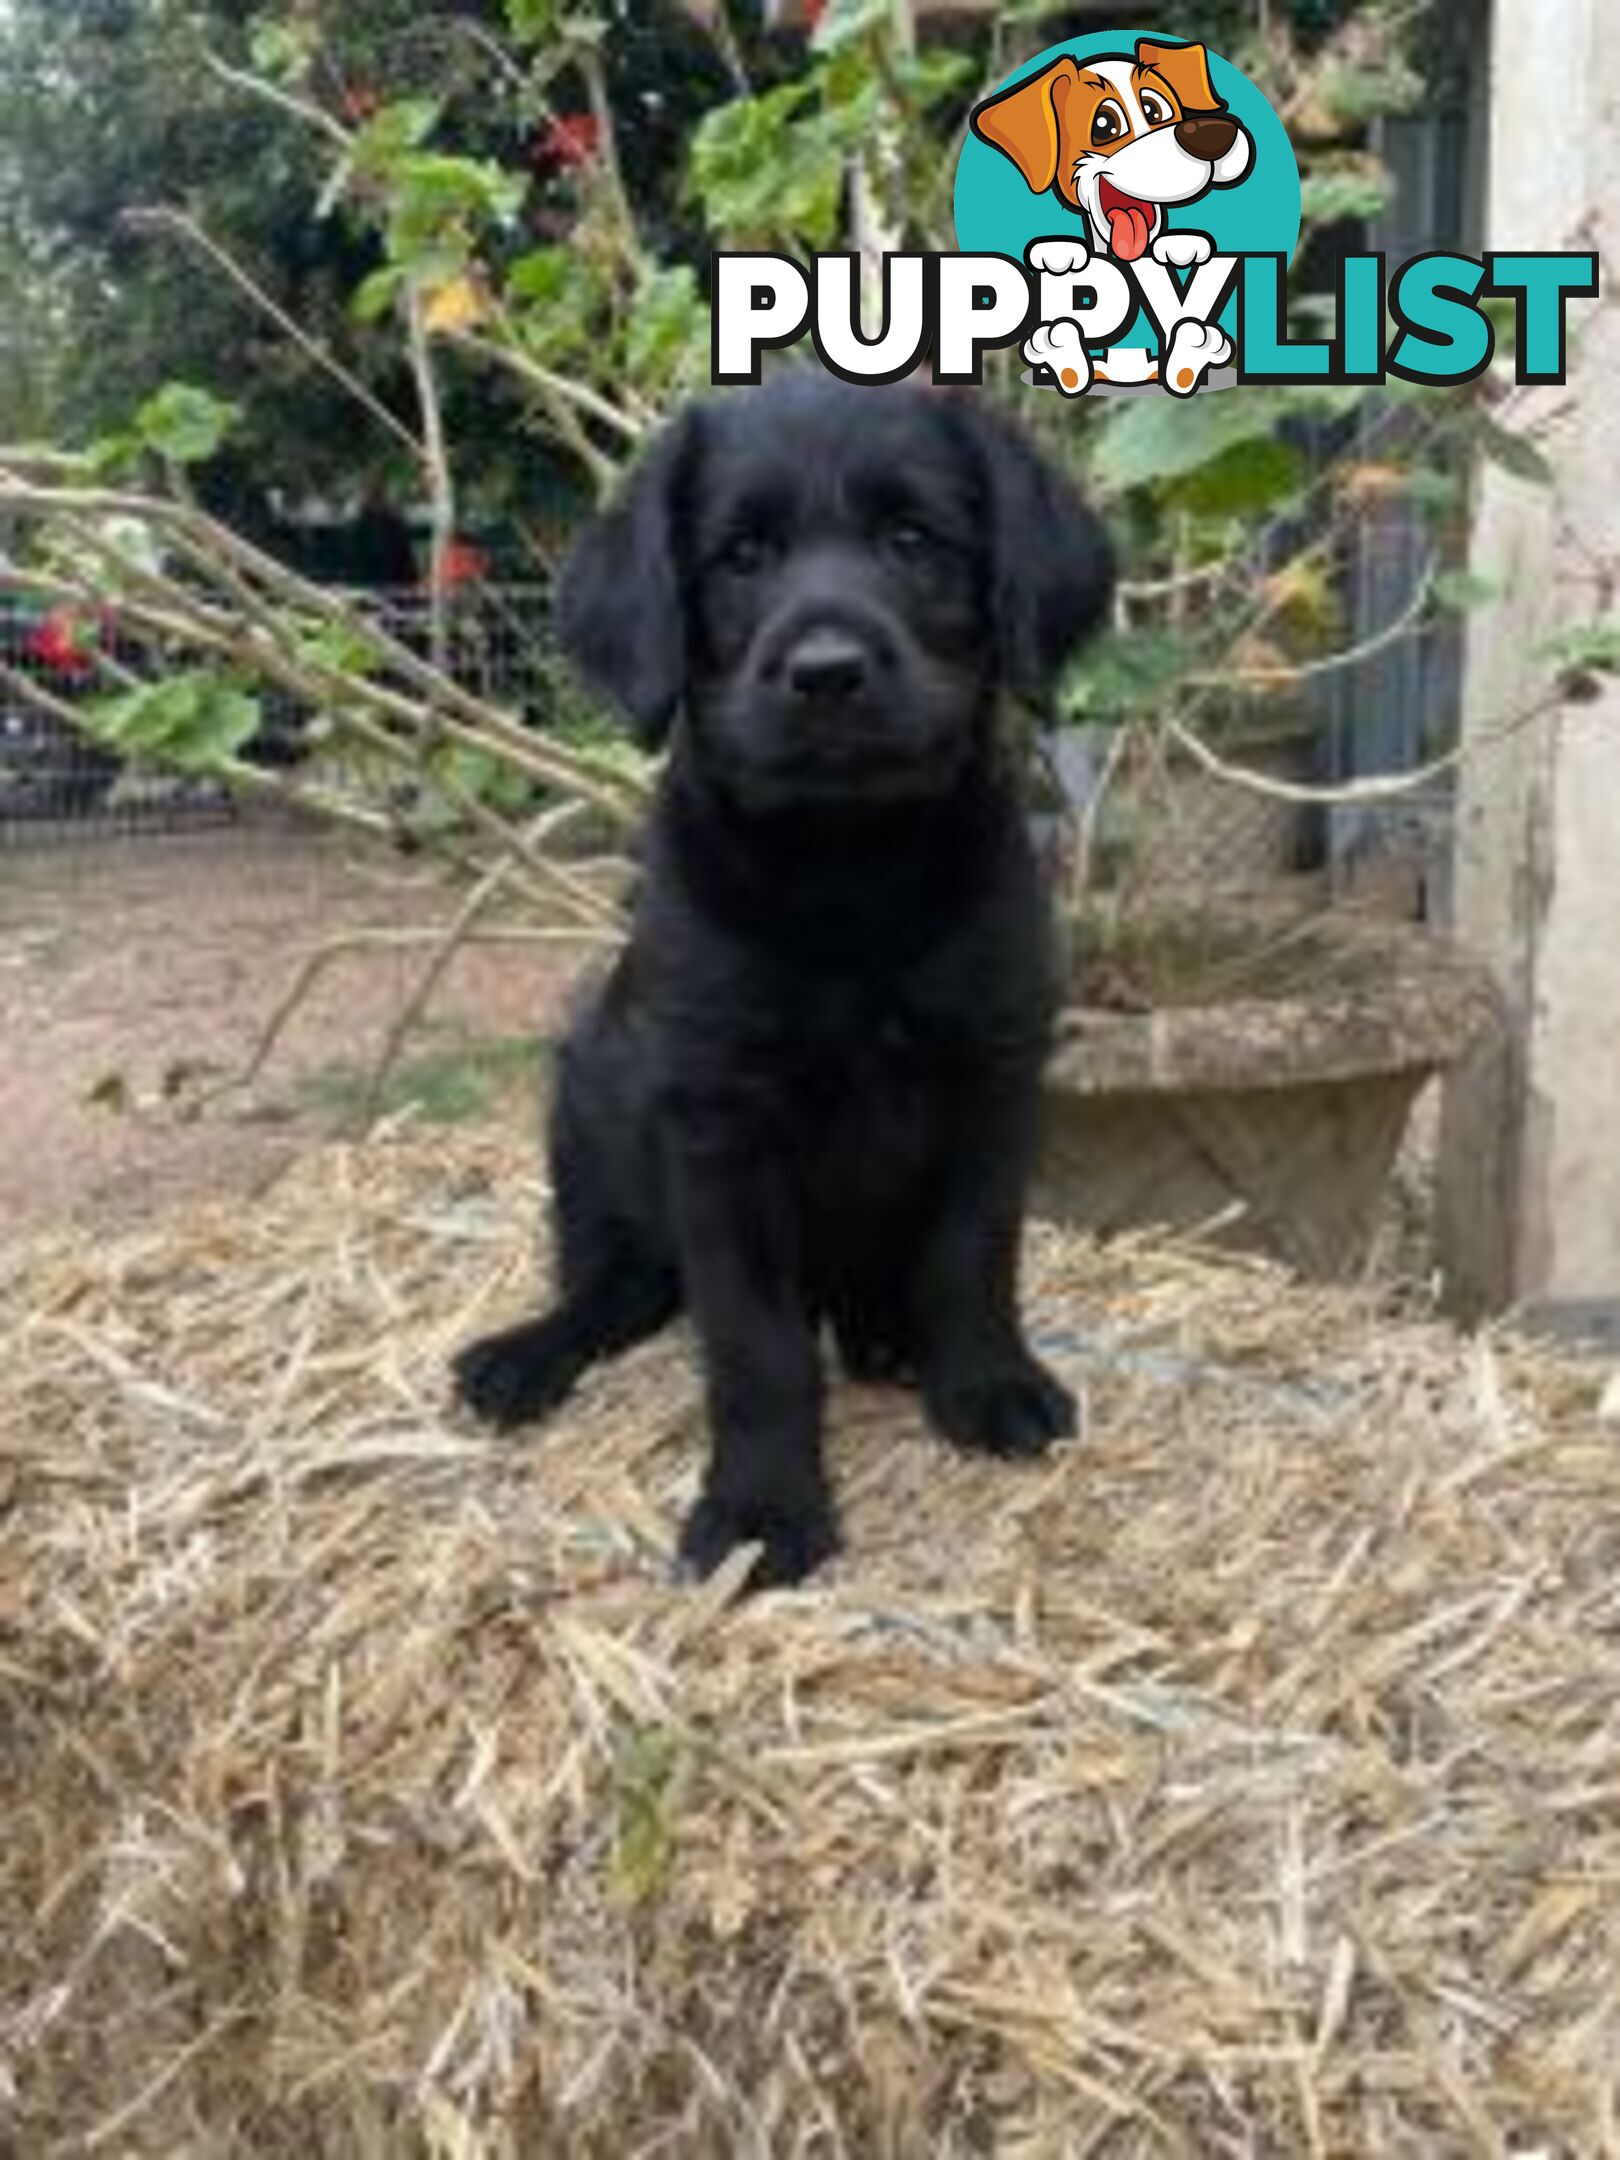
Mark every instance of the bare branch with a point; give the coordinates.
(314, 965)
(441, 486)
(158, 219)
(1372, 787)
(270, 93)
(723, 32)
(550, 383)
(456, 933)
(209, 546)
(248, 779)
(1286, 675)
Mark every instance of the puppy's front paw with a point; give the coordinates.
(1182, 250)
(793, 1542)
(510, 1378)
(1014, 1409)
(1058, 258)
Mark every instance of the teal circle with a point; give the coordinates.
(998, 214)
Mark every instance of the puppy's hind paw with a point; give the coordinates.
(512, 1378)
(1195, 348)
(793, 1542)
(1061, 347)
(1009, 1410)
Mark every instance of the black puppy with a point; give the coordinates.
(807, 1091)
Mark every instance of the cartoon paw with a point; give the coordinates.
(1058, 258)
(1195, 348)
(1060, 347)
(1183, 250)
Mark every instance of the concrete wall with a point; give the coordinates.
(1531, 1148)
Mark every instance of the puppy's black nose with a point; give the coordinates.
(1206, 135)
(826, 665)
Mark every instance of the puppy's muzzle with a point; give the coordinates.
(826, 667)
(1207, 136)
(834, 705)
(828, 656)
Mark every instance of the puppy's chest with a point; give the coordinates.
(860, 1061)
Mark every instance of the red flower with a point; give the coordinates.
(56, 642)
(463, 564)
(359, 103)
(571, 140)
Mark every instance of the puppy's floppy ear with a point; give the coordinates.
(1186, 69)
(1025, 122)
(620, 607)
(1053, 563)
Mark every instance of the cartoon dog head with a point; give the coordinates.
(1120, 138)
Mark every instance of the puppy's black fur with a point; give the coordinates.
(806, 1093)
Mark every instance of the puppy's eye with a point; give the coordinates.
(745, 554)
(907, 539)
(1108, 124)
(1154, 110)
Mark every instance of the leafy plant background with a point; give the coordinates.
(451, 263)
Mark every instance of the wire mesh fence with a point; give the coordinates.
(58, 780)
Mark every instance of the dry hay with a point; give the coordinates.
(1244, 1779)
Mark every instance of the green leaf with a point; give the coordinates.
(1581, 646)
(184, 424)
(531, 20)
(281, 50)
(1354, 92)
(488, 778)
(1325, 197)
(766, 170)
(669, 323)
(376, 295)
(558, 304)
(1123, 672)
(1464, 589)
(845, 20)
(392, 130)
(936, 73)
(1157, 438)
(344, 651)
(434, 203)
(1154, 439)
(195, 722)
(643, 1829)
(1258, 474)
(1428, 488)
(1514, 453)
(111, 457)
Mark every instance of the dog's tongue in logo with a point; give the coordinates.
(1130, 223)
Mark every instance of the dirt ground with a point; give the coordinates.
(137, 970)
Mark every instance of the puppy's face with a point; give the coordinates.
(1121, 138)
(832, 583)
(836, 597)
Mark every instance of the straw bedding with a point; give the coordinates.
(1244, 1779)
